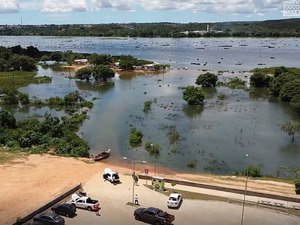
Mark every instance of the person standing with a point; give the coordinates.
(97, 210)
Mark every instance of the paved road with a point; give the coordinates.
(113, 199)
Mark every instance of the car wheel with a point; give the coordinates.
(89, 208)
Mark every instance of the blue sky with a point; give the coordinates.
(125, 11)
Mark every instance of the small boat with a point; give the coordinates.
(103, 154)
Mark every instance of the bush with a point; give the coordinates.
(236, 83)
(103, 73)
(290, 89)
(192, 164)
(277, 82)
(297, 186)
(207, 80)
(193, 95)
(259, 80)
(135, 138)
(147, 106)
(252, 171)
(153, 149)
(84, 73)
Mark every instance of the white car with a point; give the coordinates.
(175, 200)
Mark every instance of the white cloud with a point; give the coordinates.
(215, 6)
(219, 6)
(31, 5)
(64, 6)
(115, 4)
(9, 6)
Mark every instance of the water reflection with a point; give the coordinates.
(95, 86)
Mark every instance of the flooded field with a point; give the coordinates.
(217, 137)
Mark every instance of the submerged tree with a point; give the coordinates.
(103, 73)
(291, 128)
(207, 80)
(193, 95)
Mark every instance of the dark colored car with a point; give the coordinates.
(49, 219)
(64, 209)
(153, 216)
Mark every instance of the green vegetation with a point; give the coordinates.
(291, 128)
(53, 133)
(236, 83)
(153, 149)
(259, 80)
(297, 186)
(207, 80)
(193, 95)
(100, 59)
(174, 135)
(283, 82)
(221, 97)
(103, 73)
(147, 106)
(252, 171)
(192, 164)
(135, 138)
(7, 155)
(84, 73)
(269, 28)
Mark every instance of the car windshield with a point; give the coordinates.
(172, 199)
(161, 213)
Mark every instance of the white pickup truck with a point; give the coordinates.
(111, 176)
(85, 202)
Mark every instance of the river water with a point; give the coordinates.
(218, 137)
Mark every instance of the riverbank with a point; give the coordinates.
(37, 178)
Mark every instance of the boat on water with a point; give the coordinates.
(103, 154)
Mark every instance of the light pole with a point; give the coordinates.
(246, 183)
(133, 173)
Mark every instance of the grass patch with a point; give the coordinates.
(16, 78)
(10, 155)
(192, 195)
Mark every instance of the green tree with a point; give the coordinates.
(22, 62)
(193, 95)
(103, 73)
(259, 80)
(277, 82)
(207, 80)
(84, 73)
(100, 59)
(279, 70)
(290, 89)
(45, 58)
(135, 138)
(291, 128)
(56, 56)
(68, 56)
(24, 98)
(153, 149)
(7, 119)
(252, 171)
(295, 102)
(127, 62)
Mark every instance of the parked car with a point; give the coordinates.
(64, 209)
(85, 202)
(153, 216)
(49, 219)
(174, 201)
(111, 176)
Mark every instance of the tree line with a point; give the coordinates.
(271, 28)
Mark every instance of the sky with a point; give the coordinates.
(34, 12)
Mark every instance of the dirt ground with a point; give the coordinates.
(29, 182)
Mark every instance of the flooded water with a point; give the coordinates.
(218, 137)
